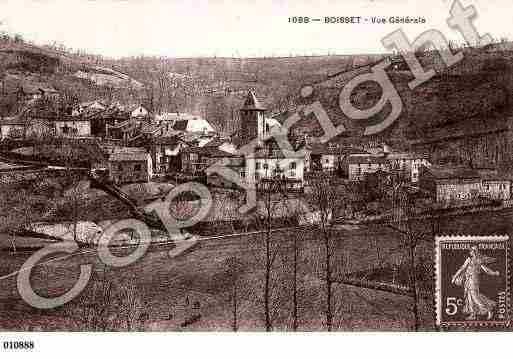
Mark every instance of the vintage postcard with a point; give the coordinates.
(234, 166)
(472, 281)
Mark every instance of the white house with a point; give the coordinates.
(140, 111)
(405, 162)
(191, 124)
(18, 127)
(12, 127)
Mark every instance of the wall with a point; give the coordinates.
(497, 189)
(256, 168)
(357, 171)
(12, 131)
(128, 172)
(80, 128)
(458, 190)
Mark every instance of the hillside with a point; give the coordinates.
(480, 86)
(78, 78)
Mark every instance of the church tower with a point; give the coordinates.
(252, 116)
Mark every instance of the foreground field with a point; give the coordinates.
(166, 289)
(195, 291)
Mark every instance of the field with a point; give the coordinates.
(194, 291)
(164, 286)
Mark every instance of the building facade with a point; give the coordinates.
(72, 127)
(406, 163)
(449, 184)
(166, 153)
(129, 165)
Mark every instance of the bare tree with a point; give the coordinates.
(95, 308)
(329, 198)
(271, 192)
(130, 305)
(234, 273)
(16, 212)
(403, 221)
(300, 215)
(106, 305)
(74, 205)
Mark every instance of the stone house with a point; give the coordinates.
(449, 184)
(129, 165)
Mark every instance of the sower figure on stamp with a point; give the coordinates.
(468, 275)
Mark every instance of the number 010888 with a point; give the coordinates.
(18, 345)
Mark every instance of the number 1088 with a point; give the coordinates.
(299, 19)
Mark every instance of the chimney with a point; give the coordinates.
(306, 138)
(386, 149)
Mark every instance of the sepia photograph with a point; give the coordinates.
(252, 166)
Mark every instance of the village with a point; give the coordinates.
(135, 145)
(340, 236)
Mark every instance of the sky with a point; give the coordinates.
(245, 28)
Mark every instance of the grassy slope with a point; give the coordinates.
(26, 64)
(201, 275)
(164, 284)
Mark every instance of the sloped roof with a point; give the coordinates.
(128, 156)
(193, 124)
(210, 151)
(96, 103)
(406, 156)
(272, 122)
(141, 113)
(450, 172)
(180, 125)
(117, 153)
(111, 112)
(270, 148)
(150, 128)
(252, 103)
(325, 148)
(216, 142)
(14, 120)
(367, 159)
(32, 88)
(168, 140)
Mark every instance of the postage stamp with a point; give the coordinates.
(472, 281)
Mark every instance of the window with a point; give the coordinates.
(292, 173)
(257, 165)
(243, 174)
(266, 166)
(137, 167)
(293, 165)
(327, 160)
(120, 167)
